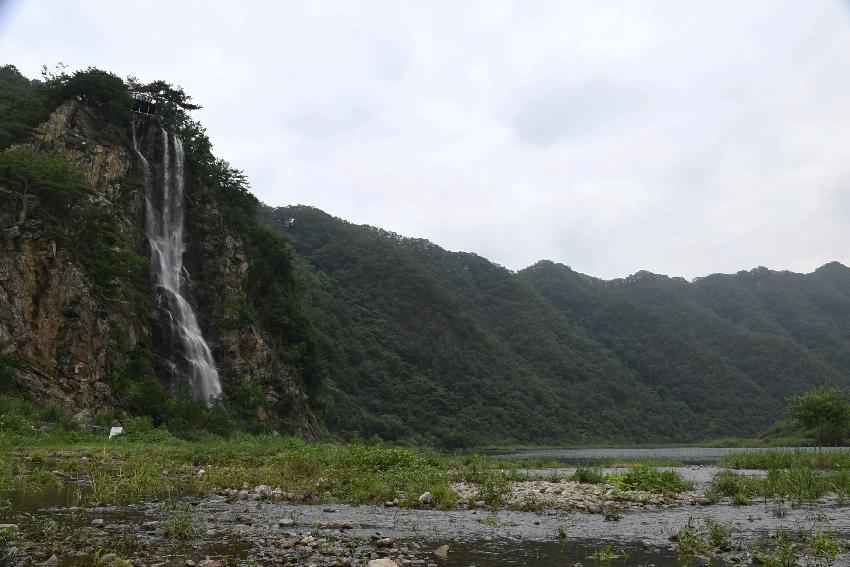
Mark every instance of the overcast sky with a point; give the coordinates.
(680, 137)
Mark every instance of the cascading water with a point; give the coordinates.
(164, 230)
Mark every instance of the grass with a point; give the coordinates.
(655, 463)
(607, 553)
(640, 477)
(786, 549)
(821, 459)
(703, 538)
(563, 534)
(178, 524)
(799, 485)
(153, 464)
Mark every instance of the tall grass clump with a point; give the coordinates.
(799, 485)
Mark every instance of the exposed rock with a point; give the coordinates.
(383, 562)
(425, 498)
(442, 552)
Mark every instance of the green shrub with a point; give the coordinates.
(650, 479)
(108, 418)
(587, 476)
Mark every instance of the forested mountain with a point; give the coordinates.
(435, 346)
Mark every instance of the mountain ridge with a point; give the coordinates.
(670, 343)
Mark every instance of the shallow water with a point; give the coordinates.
(700, 475)
(687, 455)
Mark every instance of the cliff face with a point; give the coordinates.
(54, 328)
(70, 329)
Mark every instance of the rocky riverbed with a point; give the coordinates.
(258, 526)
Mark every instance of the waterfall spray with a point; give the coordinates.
(164, 230)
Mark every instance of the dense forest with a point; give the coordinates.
(448, 348)
(323, 327)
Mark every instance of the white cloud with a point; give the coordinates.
(679, 137)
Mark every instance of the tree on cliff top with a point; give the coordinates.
(101, 89)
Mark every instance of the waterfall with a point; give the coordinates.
(164, 230)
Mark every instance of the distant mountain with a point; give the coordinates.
(433, 346)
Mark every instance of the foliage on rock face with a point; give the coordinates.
(56, 183)
(826, 412)
(23, 105)
(49, 188)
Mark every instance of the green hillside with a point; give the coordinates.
(434, 346)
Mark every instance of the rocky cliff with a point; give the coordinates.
(77, 320)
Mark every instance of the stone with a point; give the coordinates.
(384, 542)
(211, 563)
(83, 416)
(285, 522)
(9, 527)
(442, 552)
(52, 561)
(98, 523)
(189, 563)
(425, 498)
(348, 525)
(289, 543)
(383, 562)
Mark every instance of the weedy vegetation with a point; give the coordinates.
(607, 553)
(640, 477)
(798, 485)
(703, 538)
